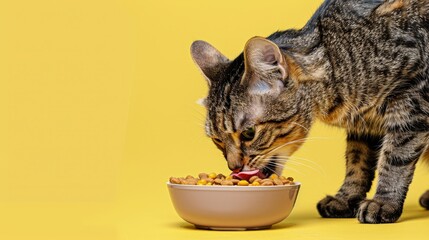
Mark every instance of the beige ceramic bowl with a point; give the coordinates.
(233, 207)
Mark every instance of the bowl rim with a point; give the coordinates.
(234, 188)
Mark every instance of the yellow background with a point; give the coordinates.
(97, 104)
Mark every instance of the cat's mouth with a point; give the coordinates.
(271, 166)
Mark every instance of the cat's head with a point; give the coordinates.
(255, 113)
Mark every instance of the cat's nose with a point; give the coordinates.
(234, 167)
(234, 160)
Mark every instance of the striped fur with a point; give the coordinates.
(362, 65)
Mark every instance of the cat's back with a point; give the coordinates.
(376, 41)
(379, 52)
(410, 16)
(354, 9)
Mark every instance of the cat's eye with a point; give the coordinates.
(248, 134)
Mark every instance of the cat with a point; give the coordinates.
(362, 65)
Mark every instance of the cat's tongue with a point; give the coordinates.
(246, 175)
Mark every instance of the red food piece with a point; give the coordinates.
(246, 175)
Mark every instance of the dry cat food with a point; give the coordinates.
(249, 178)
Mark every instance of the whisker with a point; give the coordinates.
(313, 167)
(271, 169)
(292, 142)
(278, 164)
(199, 124)
(284, 159)
(306, 129)
(201, 118)
(301, 159)
(305, 165)
(293, 169)
(263, 159)
(199, 114)
(263, 156)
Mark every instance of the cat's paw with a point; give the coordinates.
(378, 211)
(424, 200)
(334, 207)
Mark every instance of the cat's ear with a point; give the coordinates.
(265, 66)
(264, 57)
(208, 58)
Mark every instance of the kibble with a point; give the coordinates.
(243, 183)
(212, 175)
(267, 183)
(202, 182)
(221, 176)
(175, 180)
(214, 179)
(218, 181)
(255, 183)
(203, 175)
(235, 181)
(277, 181)
(266, 180)
(253, 178)
(227, 183)
(274, 176)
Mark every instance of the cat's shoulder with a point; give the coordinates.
(364, 8)
(361, 8)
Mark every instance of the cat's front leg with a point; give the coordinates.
(398, 157)
(361, 159)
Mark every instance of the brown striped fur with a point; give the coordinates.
(362, 65)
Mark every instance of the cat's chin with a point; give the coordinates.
(272, 167)
(247, 168)
(266, 172)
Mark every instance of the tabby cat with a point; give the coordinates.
(362, 65)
